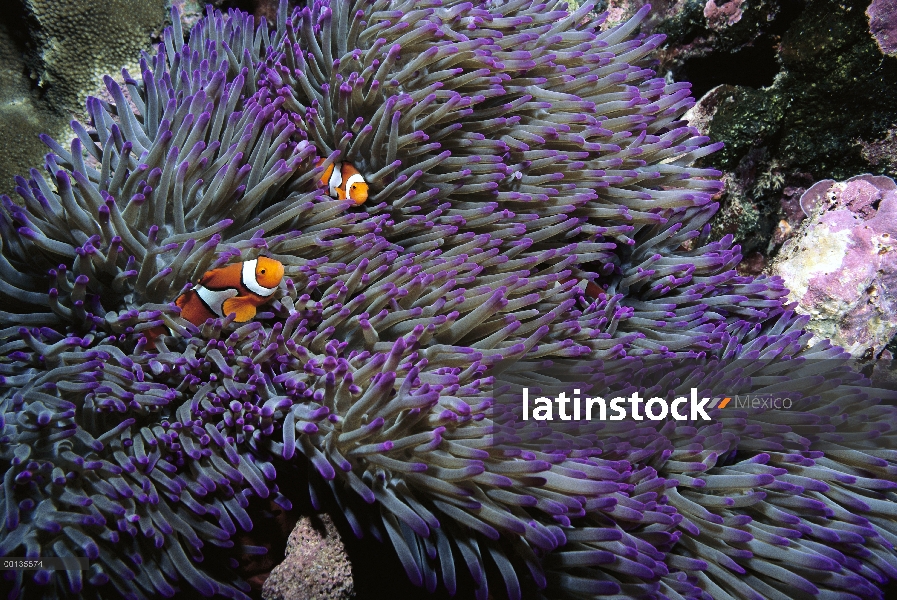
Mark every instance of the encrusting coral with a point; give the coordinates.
(316, 565)
(513, 152)
(840, 268)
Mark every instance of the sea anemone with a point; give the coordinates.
(533, 197)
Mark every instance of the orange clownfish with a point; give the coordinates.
(588, 286)
(343, 181)
(238, 288)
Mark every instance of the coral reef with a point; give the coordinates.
(23, 116)
(882, 152)
(833, 81)
(191, 11)
(724, 42)
(798, 91)
(65, 47)
(79, 41)
(842, 268)
(316, 566)
(514, 152)
(724, 15)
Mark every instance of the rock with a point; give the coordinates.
(739, 215)
(316, 566)
(883, 24)
(884, 375)
(841, 268)
(745, 119)
(752, 264)
(789, 203)
(193, 10)
(700, 116)
(724, 15)
(271, 531)
(797, 91)
(881, 152)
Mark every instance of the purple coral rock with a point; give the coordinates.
(842, 268)
(316, 565)
(883, 24)
(720, 16)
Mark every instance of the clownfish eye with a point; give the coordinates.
(262, 271)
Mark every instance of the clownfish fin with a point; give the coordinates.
(242, 306)
(208, 277)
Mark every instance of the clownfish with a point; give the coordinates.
(592, 290)
(588, 286)
(239, 288)
(343, 181)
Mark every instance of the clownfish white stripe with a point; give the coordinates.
(353, 179)
(250, 282)
(336, 178)
(214, 299)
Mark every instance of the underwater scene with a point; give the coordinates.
(487, 299)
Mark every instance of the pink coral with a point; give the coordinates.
(721, 16)
(883, 24)
(842, 268)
